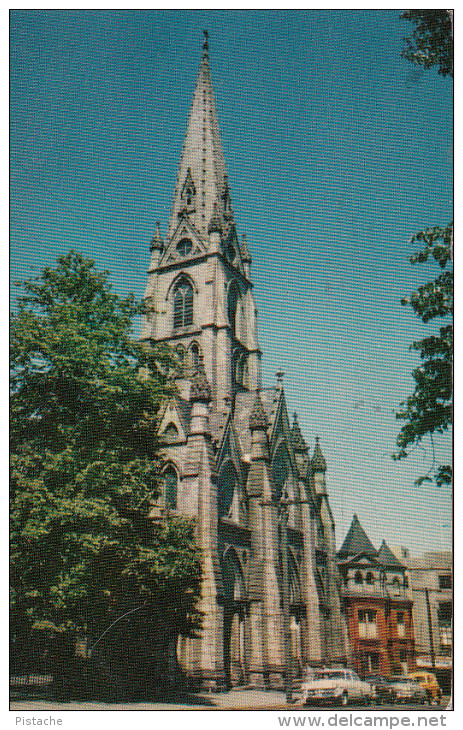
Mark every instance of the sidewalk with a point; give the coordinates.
(236, 699)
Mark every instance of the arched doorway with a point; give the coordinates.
(233, 619)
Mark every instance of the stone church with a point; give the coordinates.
(233, 461)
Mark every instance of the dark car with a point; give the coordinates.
(381, 689)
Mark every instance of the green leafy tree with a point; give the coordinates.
(431, 42)
(428, 411)
(84, 472)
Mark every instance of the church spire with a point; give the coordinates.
(201, 191)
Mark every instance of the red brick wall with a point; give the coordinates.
(387, 644)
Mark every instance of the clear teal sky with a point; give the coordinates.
(337, 151)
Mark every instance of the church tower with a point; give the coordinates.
(232, 461)
(199, 290)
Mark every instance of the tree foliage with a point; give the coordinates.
(85, 466)
(429, 409)
(431, 42)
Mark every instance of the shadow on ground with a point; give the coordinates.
(171, 697)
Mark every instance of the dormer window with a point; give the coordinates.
(184, 246)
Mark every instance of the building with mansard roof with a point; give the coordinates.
(377, 604)
(233, 461)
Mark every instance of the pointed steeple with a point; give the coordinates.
(356, 541)
(297, 438)
(318, 460)
(202, 192)
(156, 241)
(245, 255)
(156, 248)
(387, 557)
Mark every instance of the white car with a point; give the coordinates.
(338, 686)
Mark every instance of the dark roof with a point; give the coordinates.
(359, 559)
(297, 438)
(318, 460)
(387, 557)
(357, 541)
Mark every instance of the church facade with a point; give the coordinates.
(233, 460)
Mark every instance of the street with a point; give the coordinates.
(237, 699)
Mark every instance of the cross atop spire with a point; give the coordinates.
(202, 190)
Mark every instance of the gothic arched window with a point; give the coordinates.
(171, 433)
(227, 483)
(370, 578)
(234, 367)
(181, 353)
(280, 471)
(232, 577)
(240, 370)
(233, 297)
(170, 487)
(183, 304)
(184, 246)
(358, 578)
(194, 354)
(294, 581)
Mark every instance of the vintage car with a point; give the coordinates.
(408, 690)
(430, 685)
(381, 689)
(335, 686)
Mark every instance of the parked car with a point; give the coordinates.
(430, 685)
(337, 686)
(381, 689)
(408, 690)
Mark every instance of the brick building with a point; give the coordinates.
(377, 605)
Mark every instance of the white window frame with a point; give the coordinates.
(367, 624)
